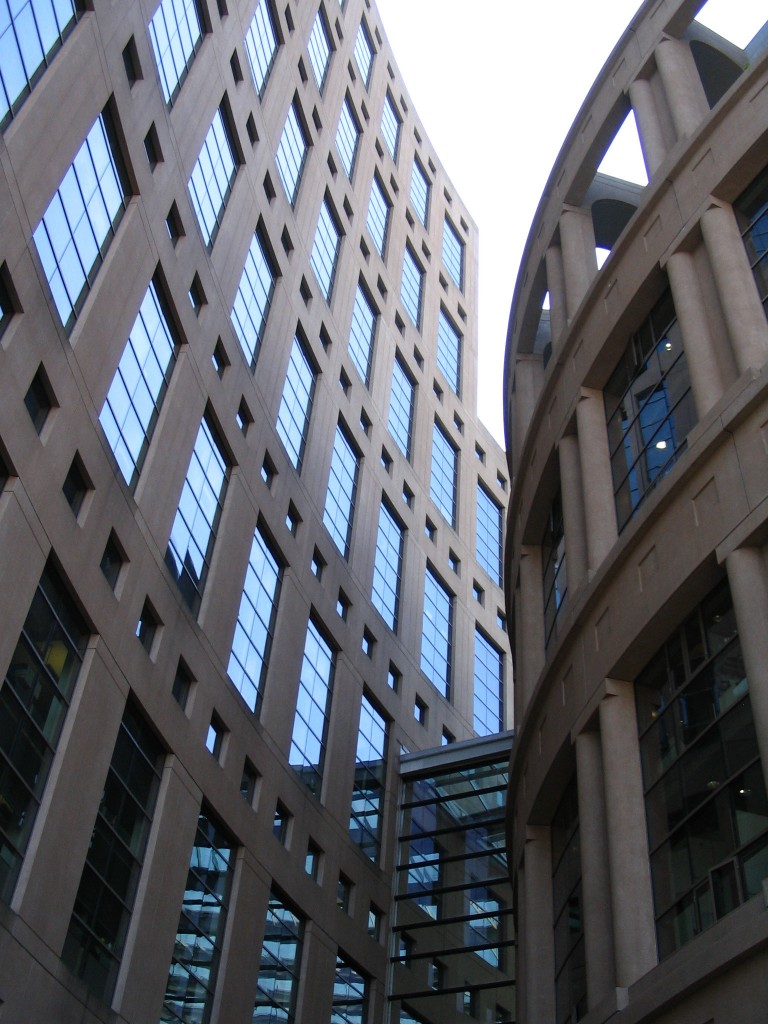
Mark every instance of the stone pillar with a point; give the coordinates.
(595, 878)
(700, 350)
(538, 943)
(573, 511)
(736, 289)
(556, 287)
(649, 128)
(629, 865)
(529, 376)
(748, 580)
(599, 502)
(684, 92)
(577, 240)
(529, 621)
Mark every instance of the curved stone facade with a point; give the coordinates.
(636, 400)
(173, 668)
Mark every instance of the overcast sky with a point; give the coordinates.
(497, 84)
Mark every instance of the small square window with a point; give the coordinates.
(501, 482)
(420, 711)
(375, 919)
(174, 225)
(248, 782)
(405, 949)
(344, 382)
(458, 423)
(454, 562)
(112, 561)
(131, 62)
(268, 471)
(478, 593)
(501, 619)
(243, 417)
(369, 642)
(280, 823)
(438, 391)
(342, 605)
(39, 399)
(312, 860)
(197, 294)
(75, 486)
(386, 460)
(317, 564)
(419, 358)
(435, 975)
(234, 64)
(152, 147)
(408, 496)
(214, 740)
(365, 423)
(250, 129)
(344, 894)
(293, 519)
(148, 626)
(447, 738)
(182, 685)
(430, 530)
(480, 454)
(393, 679)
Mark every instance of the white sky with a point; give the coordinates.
(497, 84)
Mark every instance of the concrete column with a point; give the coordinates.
(538, 946)
(649, 127)
(530, 627)
(599, 502)
(573, 511)
(736, 289)
(703, 367)
(556, 287)
(577, 239)
(682, 86)
(595, 878)
(529, 376)
(629, 865)
(748, 580)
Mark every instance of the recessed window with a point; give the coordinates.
(8, 300)
(243, 416)
(131, 62)
(248, 783)
(411, 286)
(449, 344)
(182, 685)
(174, 225)
(453, 254)
(310, 724)
(408, 496)
(319, 48)
(364, 53)
(401, 405)
(361, 334)
(430, 530)
(112, 560)
(390, 126)
(292, 519)
(76, 486)
(344, 893)
(443, 487)
(388, 567)
(296, 402)
(386, 460)
(148, 626)
(253, 299)
(317, 564)
(437, 634)
(325, 250)
(454, 563)
(375, 921)
(420, 189)
(478, 593)
(280, 823)
(343, 605)
(152, 147)
(312, 860)
(488, 686)
(342, 491)
(420, 711)
(393, 678)
(214, 738)
(368, 643)
(377, 221)
(213, 176)
(347, 137)
(489, 534)
(197, 296)
(447, 738)
(291, 153)
(176, 34)
(268, 471)
(39, 399)
(261, 45)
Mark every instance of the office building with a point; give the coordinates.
(636, 404)
(250, 525)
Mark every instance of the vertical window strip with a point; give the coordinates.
(310, 724)
(193, 533)
(212, 178)
(387, 567)
(251, 644)
(364, 54)
(291, 154)
(81, 219)
(411, 286)
(280, 964)
(554, 568)
(350, 994)
(401, 404)
(752, 211)
(444, 478)
(31, 34)
(370, 777)
(261, 45)
(296, 404)
(325, 250)
(176, 34)
(253, 299)
(378, 216)
(489, 534)
(488, 687)
(34, 700)
(449, 352)
(361, 332)
(342, 491)
(103, 907)
(390, 126)
(420, 189)
(191, 985)
(319, 49)
(136, 394)
(437, 634)
(347, 138)
(453, 254)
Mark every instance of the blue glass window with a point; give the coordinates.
(401, 402)
(310, 725)
(437, 634)
(751, 208)
(193, 533)
(319, 48)
(176, 34)
(136, 394)
(191, 985)
(96, 935)
(489, 687)
(388, 567)
(31, 34)
(554, 568)
(411, 286)
(649, 409)
(361, 333)
(261, 45)
(390, 126)
(370, 778)
(364, 54)
(252, 641)
(347, 137)
(489, 534)
(34, 700)
(378, 216)
(449, 352)
(253, 298)
(80, 222)
(342, 491)
(296, 403)
(325, 250)
(420, 189)
(350, 994)
(453, 254)
(445, 472)
(212, 178)
(280, 965)
(291, 154)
